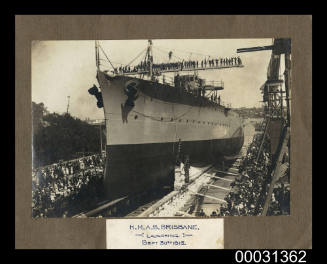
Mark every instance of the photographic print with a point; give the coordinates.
(161, 128)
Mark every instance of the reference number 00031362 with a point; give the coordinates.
(266, 256)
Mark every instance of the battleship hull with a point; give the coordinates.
(149, 124)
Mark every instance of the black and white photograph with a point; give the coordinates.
(161, 128)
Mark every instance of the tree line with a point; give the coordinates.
(61, 137)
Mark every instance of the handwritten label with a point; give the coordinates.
(165, 233)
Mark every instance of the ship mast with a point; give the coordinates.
(97, 60)
(150, 58)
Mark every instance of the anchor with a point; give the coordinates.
(94, 91)
(132, 94)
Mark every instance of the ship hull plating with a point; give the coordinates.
(149, 124)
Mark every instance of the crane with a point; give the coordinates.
(279, 134)
(280, 46)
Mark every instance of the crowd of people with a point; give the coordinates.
(280, 200)
(251, 187)
(190, 64)
(61, 189)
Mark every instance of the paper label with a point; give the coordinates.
(165, 233)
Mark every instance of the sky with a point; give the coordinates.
(67, 68)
